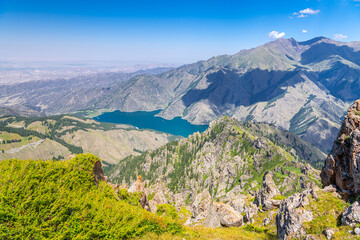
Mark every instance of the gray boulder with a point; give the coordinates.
(224, 215)
(329, 232)
(351, 216)
(357, 231)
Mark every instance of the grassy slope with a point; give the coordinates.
(59, 200)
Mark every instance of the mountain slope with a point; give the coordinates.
(304, 87)
(57, 137)
(57, 96)
(228, 158)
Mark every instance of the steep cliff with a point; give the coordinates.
(341, 167)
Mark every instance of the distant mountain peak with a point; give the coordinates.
(314, 40)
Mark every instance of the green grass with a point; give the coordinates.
(326, 210)
(279, 197)
(59, 200)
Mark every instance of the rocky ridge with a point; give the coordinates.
(341, 167)
(271, 203)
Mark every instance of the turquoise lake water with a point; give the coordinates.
(148, 120)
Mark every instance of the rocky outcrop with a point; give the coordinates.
(267, 192)
(352, 214)
(221, 214)
(160, 195)
(292, 214)
(200, 208)
(342, 166)
(98, 173)
(138, 187)
(250, 211)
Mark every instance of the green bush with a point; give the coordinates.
(166, 210)
(59, 200)
(253, 228)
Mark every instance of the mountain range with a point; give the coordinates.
(304, 87)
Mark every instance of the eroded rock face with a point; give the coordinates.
(341, 167)
(292, 214)
(267, 192)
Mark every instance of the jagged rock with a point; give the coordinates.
(292, 214)
(329, 232)
(268, 219)
(212, 218)
(250, 211)
(200, 208)
(351, 216)
(98, 173)
(341, 166)
(267, 191)
(221, 214)
(357, 231)
(138, 186)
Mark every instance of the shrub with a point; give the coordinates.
(167, 210)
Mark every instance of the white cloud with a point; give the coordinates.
(306, 12)
(276, 34)
(340, 36)
(309, 11)
(302, 16)
(304, 31)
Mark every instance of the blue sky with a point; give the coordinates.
(163, 31)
